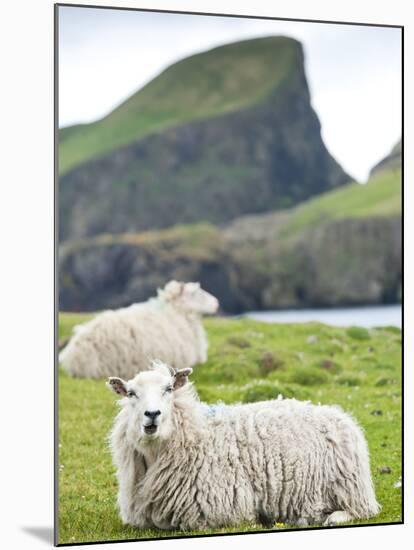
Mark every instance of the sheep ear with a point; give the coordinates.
(181, 377)
(174, 288)
(117, 385)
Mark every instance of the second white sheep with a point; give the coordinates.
(122, 342)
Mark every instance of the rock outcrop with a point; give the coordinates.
(344, 262)
(261, 154)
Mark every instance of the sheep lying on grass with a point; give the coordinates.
(185, 465)
(123, 341)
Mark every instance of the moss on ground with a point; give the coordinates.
(248, 361)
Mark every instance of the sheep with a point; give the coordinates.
(182, 464)
(122, 342)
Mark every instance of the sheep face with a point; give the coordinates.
(190, 297)
(198, 300)
(148, 399)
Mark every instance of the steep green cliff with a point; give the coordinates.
(217, 135)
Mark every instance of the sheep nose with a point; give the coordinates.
(152, 414)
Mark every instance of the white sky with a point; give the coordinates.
(354, 72)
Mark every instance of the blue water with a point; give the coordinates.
(366, 316)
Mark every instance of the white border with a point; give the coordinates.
(26, 299)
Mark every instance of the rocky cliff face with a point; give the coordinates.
(344, 262)
(341, 248)
(113, 271)
(265, 155)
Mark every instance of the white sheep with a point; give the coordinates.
(124, 341)
(184, 465)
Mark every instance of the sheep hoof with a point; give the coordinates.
(337, 517)
(162, 525)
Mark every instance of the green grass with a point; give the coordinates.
(209, 84)
(380, 196)
(248, 361)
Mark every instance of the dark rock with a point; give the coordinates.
(385, 470)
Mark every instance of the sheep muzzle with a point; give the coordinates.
(150, 429)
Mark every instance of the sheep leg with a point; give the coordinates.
(131, 469)
(339, 516)
(163, 525)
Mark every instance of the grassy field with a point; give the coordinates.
(232, 77)
(248, 361)
(380, 196)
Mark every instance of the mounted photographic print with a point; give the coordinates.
(229, 265)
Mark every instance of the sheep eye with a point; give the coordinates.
(168, 389)
(131, 394)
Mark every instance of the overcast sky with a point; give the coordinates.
(354, 73)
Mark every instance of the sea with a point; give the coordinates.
(364, 316)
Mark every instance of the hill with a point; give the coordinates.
(341, 248)
(224, 133)
(215, 82)
(391, 162)
(380, 197)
